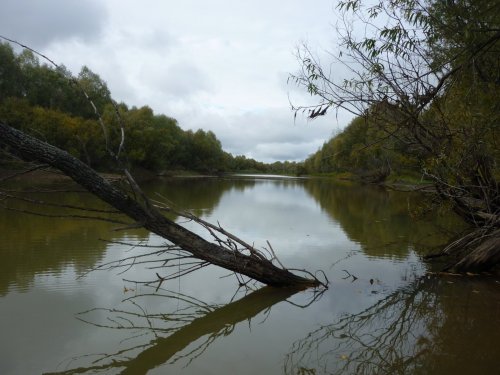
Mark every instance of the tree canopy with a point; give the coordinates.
(49, 103)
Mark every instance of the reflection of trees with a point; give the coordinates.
(172, 333)
(378, 219)
(434, 326)
(201, 196)
(33, 244)
(197, 195)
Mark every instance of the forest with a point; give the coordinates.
(49, 103)
(355, 153)
(52, 102)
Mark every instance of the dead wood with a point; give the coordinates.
(146, 215)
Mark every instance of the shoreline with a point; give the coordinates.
(48, 176)
(45, 176)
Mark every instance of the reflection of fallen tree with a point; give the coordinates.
(195, 320)
(433, 326)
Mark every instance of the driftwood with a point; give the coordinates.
(144, 214)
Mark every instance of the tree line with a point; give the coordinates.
(363, 151)
(424, 82)
(49, 103)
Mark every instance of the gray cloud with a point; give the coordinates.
(178, 80)
(39, 23)
(270, 152)
(218, 66)
(265, 135)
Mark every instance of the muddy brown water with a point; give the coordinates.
(383, 312)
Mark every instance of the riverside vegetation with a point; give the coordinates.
(48, 102)
(424, 85)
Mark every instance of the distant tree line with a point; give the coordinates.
(50, 104)
(364, 150)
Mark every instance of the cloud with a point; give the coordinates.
(273, 134)
(132, 61)
(268, 134)
(285, 151)
(178, 80)
(217, 66)
(39, 23)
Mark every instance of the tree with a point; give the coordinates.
(96, 89)
(363, 150)
(426, 74)
(10, 73)
(204, 151)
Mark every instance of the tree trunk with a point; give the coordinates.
(477, 251)
(484, 257)
(30, 148)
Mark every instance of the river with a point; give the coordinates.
(384, 312)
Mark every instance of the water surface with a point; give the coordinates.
(381, 314)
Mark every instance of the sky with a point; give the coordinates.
(217, 65)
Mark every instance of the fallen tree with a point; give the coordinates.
(228, 252)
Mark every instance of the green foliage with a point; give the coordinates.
(425, 81)
(79, 136)
(10, 73)
(204, 151)
(52, 105)
(362, 149)
(55, 89)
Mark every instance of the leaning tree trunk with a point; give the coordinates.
(30, 148)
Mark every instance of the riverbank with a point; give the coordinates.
(24, 172)
(43, 176)
(405, 183)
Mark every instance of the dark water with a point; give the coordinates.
(381, 315)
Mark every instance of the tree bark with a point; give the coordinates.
(484, 257)
(30, 148)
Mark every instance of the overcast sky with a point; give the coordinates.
(216, 65)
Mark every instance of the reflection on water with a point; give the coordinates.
(431, 326)
(32, 245)
(198, 195)
(380, 315)
(173, 332)
(380, 220)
